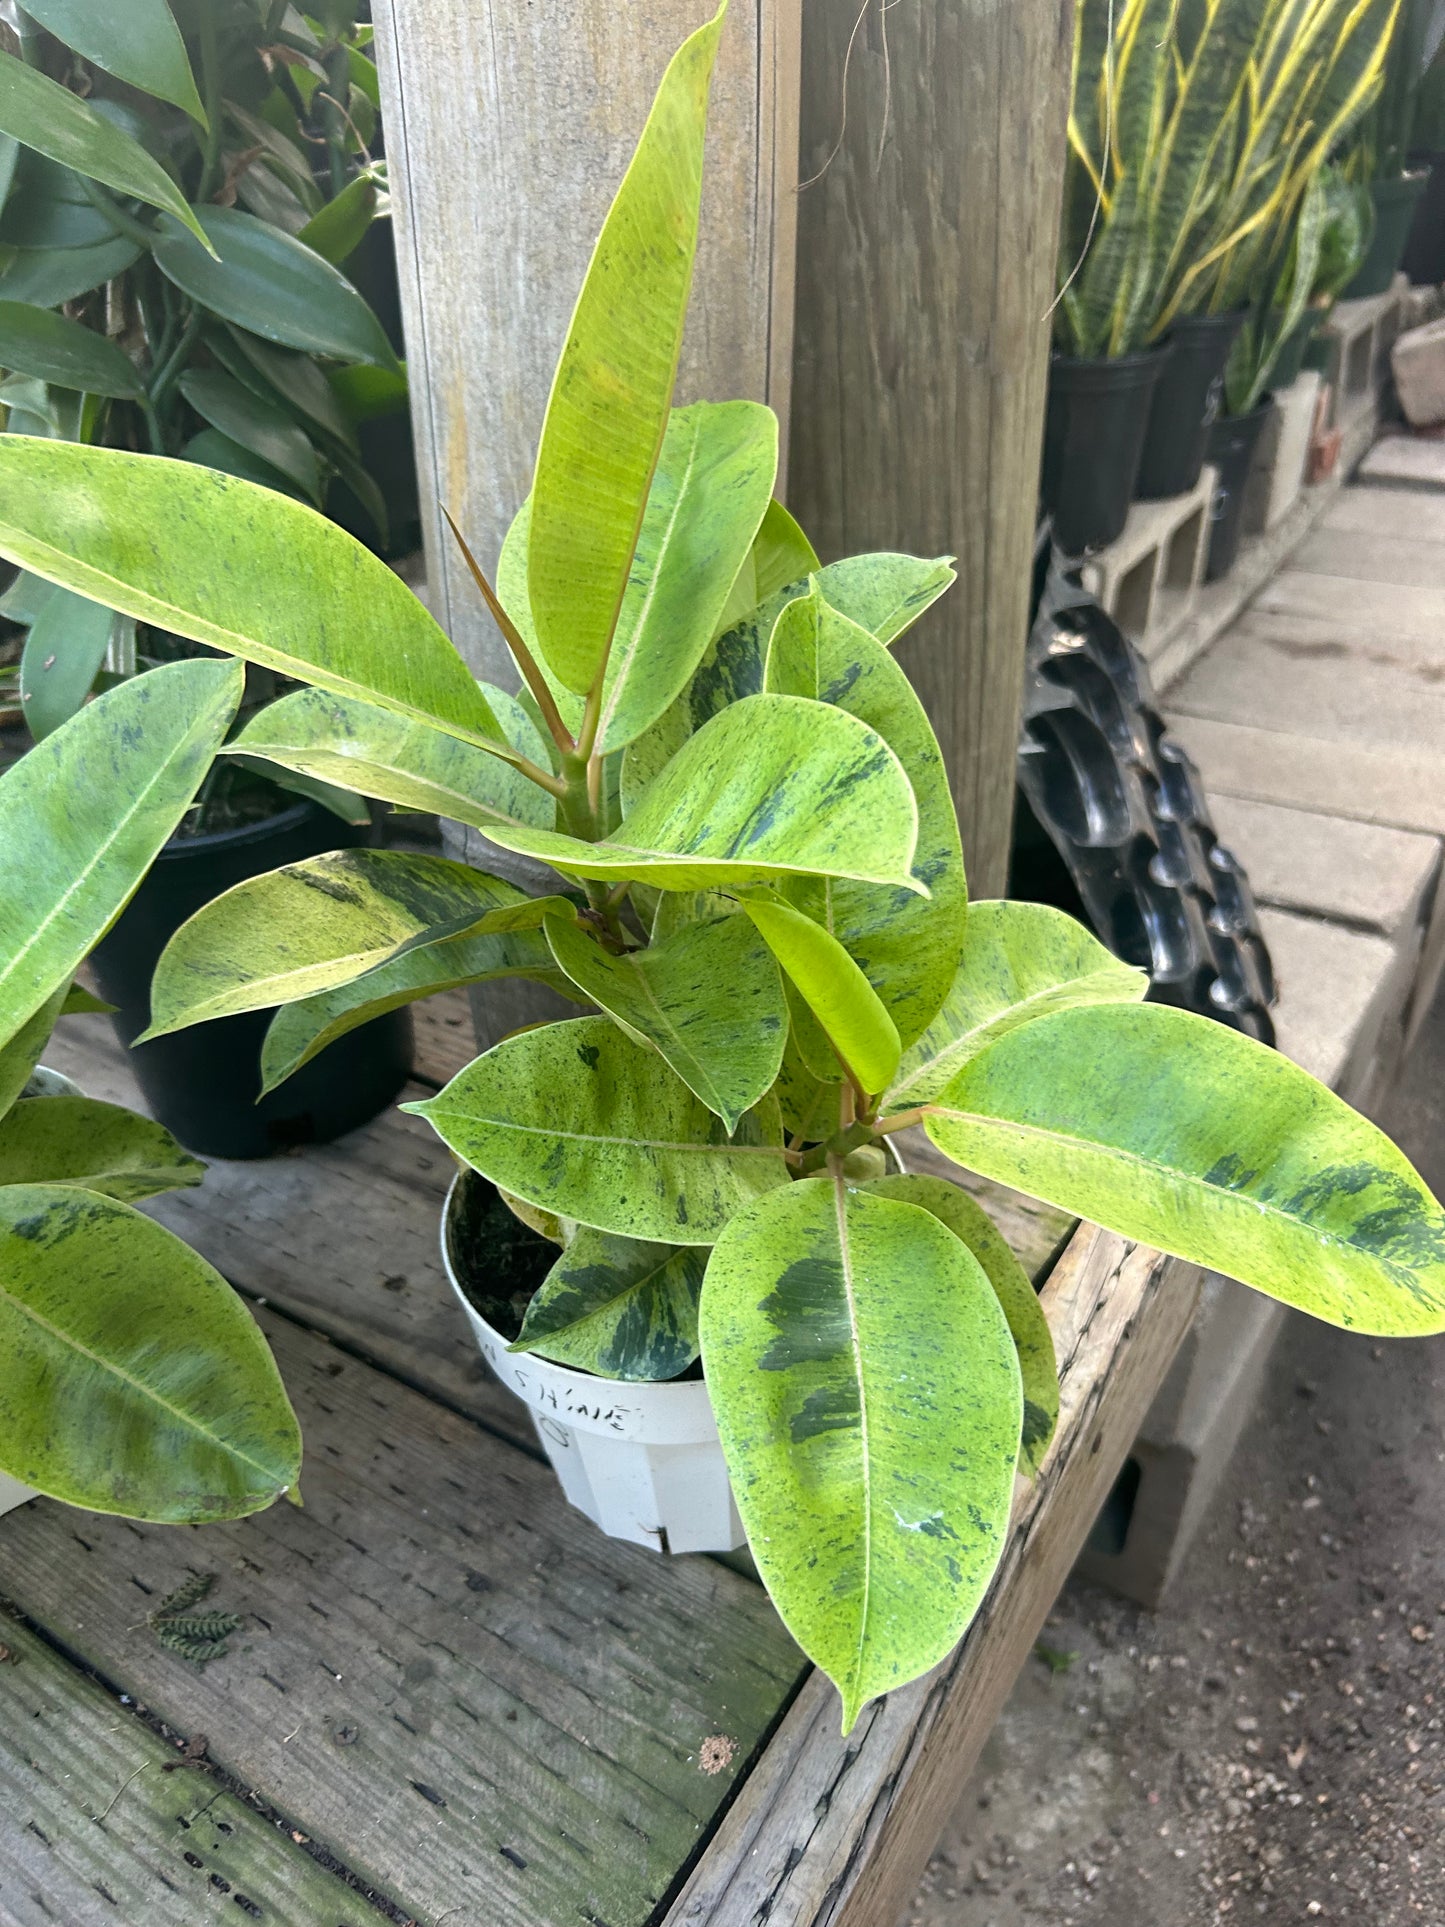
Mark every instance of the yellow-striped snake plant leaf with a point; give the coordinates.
(907, 946)
(970, 1223)
(243, 568)
(102, 1147)
(708, 999)
(313, 925)
(613, 385)
(618, 1307)
(1021, 961)
(868, 1399)
(99, 1405)
(1174, 1130)
(773, 786)
(579, 1120)
(92, 805)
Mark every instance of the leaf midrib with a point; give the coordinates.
(290, 757)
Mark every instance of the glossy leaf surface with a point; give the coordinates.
(618, 1307)
(138, 42)
(268, 282)
(267, 430)
(103, 1147)
(93, 804)
(46, 277)
(1020, 962)
(969, 1222)
(310, 926)
(867, 1396)
(299, 1030)
(41, 114)
(235, 566)
(578, 1119)
(381, 753)
(99, 1405)
(708, 999)
(907, 946)
(835, 990)
(36, 342)
(1168, 1128)
(62, 658)
(19, 1057)
(613, 386)
(774, 785)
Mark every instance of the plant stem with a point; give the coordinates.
(211, 98)
(120, 220)
(512, 636)
(902, 1121)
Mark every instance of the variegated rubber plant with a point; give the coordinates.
(1194, 132)
(132, 1378)
(761, 897)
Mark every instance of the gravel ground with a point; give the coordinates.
(1270, 1746)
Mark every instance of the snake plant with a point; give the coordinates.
(1393, 127)
(761, 912)
(1193, 134)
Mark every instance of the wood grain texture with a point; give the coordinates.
(95, 1829)
(926, 256)
(829, 1832)
(509, 128)
(460, 1688)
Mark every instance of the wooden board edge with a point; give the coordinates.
(827, 1832)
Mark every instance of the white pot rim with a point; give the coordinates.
(656, 1412)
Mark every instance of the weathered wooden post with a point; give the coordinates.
(926, 256)
(508, 129)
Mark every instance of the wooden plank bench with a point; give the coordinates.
(452, 1700)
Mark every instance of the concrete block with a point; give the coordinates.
(1278, 471)
(1405, 461)
(1364, 874)
(1418, 362)
(1148, 578)
(1357, 340)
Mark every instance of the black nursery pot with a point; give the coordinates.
(1394, 211)
(1232, 442)
(1093, 440)
(203, 1083)
(1186, 401)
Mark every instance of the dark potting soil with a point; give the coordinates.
(498, 1260)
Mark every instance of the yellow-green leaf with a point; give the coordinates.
(841, 998)
(618, 1307)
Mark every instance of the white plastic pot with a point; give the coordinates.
(13, 1493)
(643, 1461)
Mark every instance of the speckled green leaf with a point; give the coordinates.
(267, 282)
(261, 426)
(835, 990)
(1169, 1128)
(881, 593)
(19, 1057)
(138, 42)
(310, 926)
(133, 1379)
(224, 562)
(809, 1103)
(578, 1119)
(773, 786)
(867, 1396)
(299, 1030)
(780, 554)
(907, 947)
(41, 114)
(33, 341)
(614, 381)
(102, 1147)
(710, 491)
(968, 1221)
(62, 657)
(618, 1307)
(708, 998)
(84, 813)
(1020, 961)
(381, 753)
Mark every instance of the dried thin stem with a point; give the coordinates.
(511, 635)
